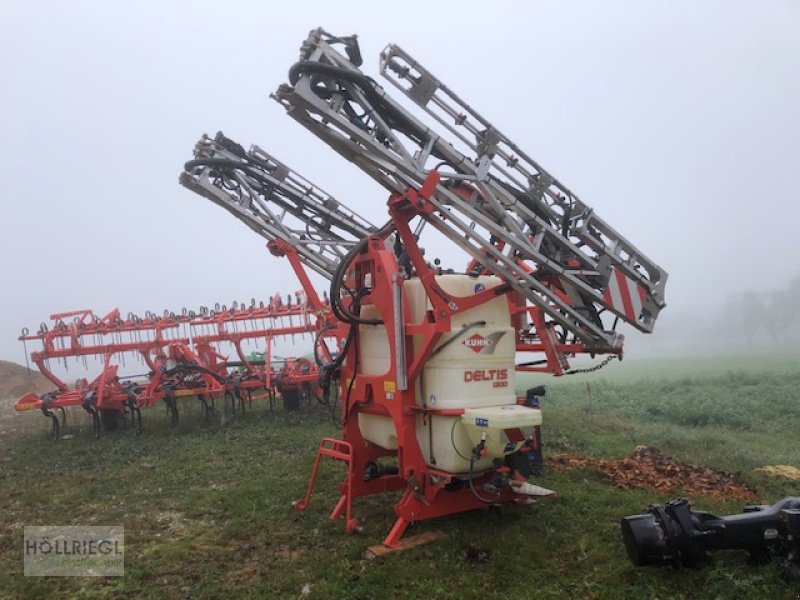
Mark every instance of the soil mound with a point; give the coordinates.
(648, 469)
(16, 382)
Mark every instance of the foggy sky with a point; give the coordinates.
(678, 122)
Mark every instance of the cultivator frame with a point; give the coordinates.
(181, 353)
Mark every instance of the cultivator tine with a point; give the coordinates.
(172, 408)
(237, 394)
(206, 407)
(95, 423)
(135, 412)
(230, 406)
(55, 430)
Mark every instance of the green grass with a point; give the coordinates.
(207, 509)
(737, 421)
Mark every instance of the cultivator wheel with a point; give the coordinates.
(291, 399)
(112, 419)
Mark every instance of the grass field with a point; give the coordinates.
(207, 509)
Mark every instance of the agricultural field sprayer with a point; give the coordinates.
(424, 355)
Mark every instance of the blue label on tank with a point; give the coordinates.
(479, 287)
(482, 422)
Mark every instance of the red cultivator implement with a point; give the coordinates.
(183, 357)
(80, 336)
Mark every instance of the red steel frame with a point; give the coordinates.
(180, 364)
(425, 493)
(296, 373)
(68, 340)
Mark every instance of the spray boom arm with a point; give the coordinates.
(493, 201)
(275, 202)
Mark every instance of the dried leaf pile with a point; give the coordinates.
(648, 469)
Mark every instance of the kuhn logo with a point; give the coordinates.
(478, 343)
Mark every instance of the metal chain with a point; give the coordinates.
(597, 367)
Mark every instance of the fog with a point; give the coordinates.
(677, 122)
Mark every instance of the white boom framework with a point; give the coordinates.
(275, 202)
(493, 201)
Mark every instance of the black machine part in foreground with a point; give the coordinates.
(676, 535)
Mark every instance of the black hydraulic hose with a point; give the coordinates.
(317, 358)
(338, 277)
(353, 315)
(366, 84)
(215, 162)
(295, 207)
(198, 368)
(239, 363)
(346, 411)
(472, 484)
(532, 363)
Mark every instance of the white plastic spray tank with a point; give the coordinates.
(472, 369)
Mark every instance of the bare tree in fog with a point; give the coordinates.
(775, 312)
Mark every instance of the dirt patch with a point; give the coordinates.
(171, 522)
(286, 552)
(15, 381)
(648, 469)
(247, 574)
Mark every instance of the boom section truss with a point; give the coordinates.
(275, 202)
